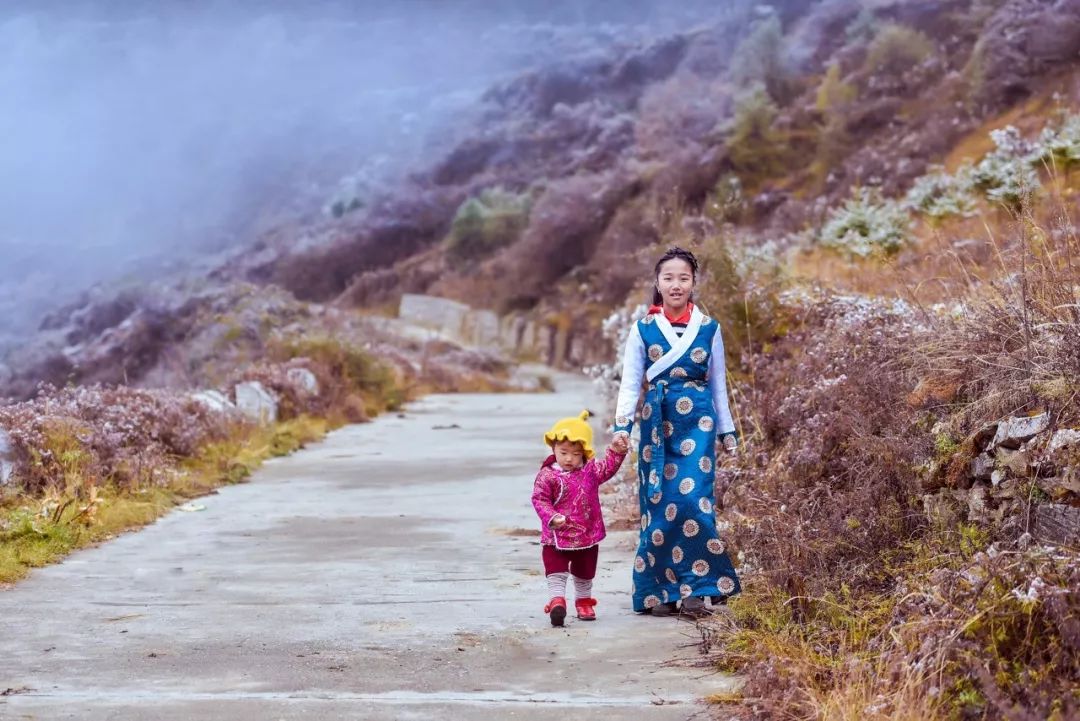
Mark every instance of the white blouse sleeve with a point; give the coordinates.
(633, 370)
(718, 385)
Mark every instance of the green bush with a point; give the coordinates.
(895, 49)
(726, 203)
(1060, 147)
(834, 97)
(487, 222)
(866, 225)
(757, 150)
(1006, 175)
(757, 60)
(939, 194)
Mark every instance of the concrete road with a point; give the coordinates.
(386, 573)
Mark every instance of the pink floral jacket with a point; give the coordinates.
(576, 495)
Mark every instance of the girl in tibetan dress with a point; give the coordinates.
(678, 350)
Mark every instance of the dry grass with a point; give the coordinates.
(37, 532)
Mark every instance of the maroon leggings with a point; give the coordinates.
(579, 563)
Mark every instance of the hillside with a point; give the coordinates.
(883, 195)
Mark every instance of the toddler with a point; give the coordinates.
(566, 497)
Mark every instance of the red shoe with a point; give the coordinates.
(556, 610)
(584, 608)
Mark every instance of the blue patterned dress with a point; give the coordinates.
(679, 553)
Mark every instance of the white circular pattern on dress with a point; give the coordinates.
(646, 454)
(669, 429)
(648, 518)
(670, 575)
(725, 585)
(671, 511)
(687, 446)
(690, 528)
(705, 505)
(664, 594)
(644, 523)
(700, 567)
(705, 423)
(670, 469)
(677, 554)
(646, 411)
(658, 537)
(678, 373)
(639, 564)
(684, 405)
(705, 320)
(647, 320)
(698, 355)
(655, 498)
(715, 545)
(655, 437)
(652, 559)
(652, 601)
(685, 590)
(655, 352)
(654, 479)
(686, 485)
(622, 421)
(705, 464)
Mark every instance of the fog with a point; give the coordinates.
(136, 134)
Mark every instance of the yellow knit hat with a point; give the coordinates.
(575, 430)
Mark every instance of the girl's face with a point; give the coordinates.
(569, 455)
(675, 281)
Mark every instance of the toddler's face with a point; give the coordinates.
(569, 455)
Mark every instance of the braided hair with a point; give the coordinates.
(672, 253)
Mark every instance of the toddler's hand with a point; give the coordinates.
(558, 521)
(619, 444)
(731, 443)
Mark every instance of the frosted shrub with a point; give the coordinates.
(939, 194)
(1059, 147)
(1006, 175)
(866, 225)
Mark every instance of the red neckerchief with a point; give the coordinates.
(684, 318)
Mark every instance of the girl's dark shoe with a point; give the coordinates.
(694, 607)
(664, 609)
(556, 610)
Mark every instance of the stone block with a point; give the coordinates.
(255, 402)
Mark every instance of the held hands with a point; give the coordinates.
(620, 444)
(730, 443)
